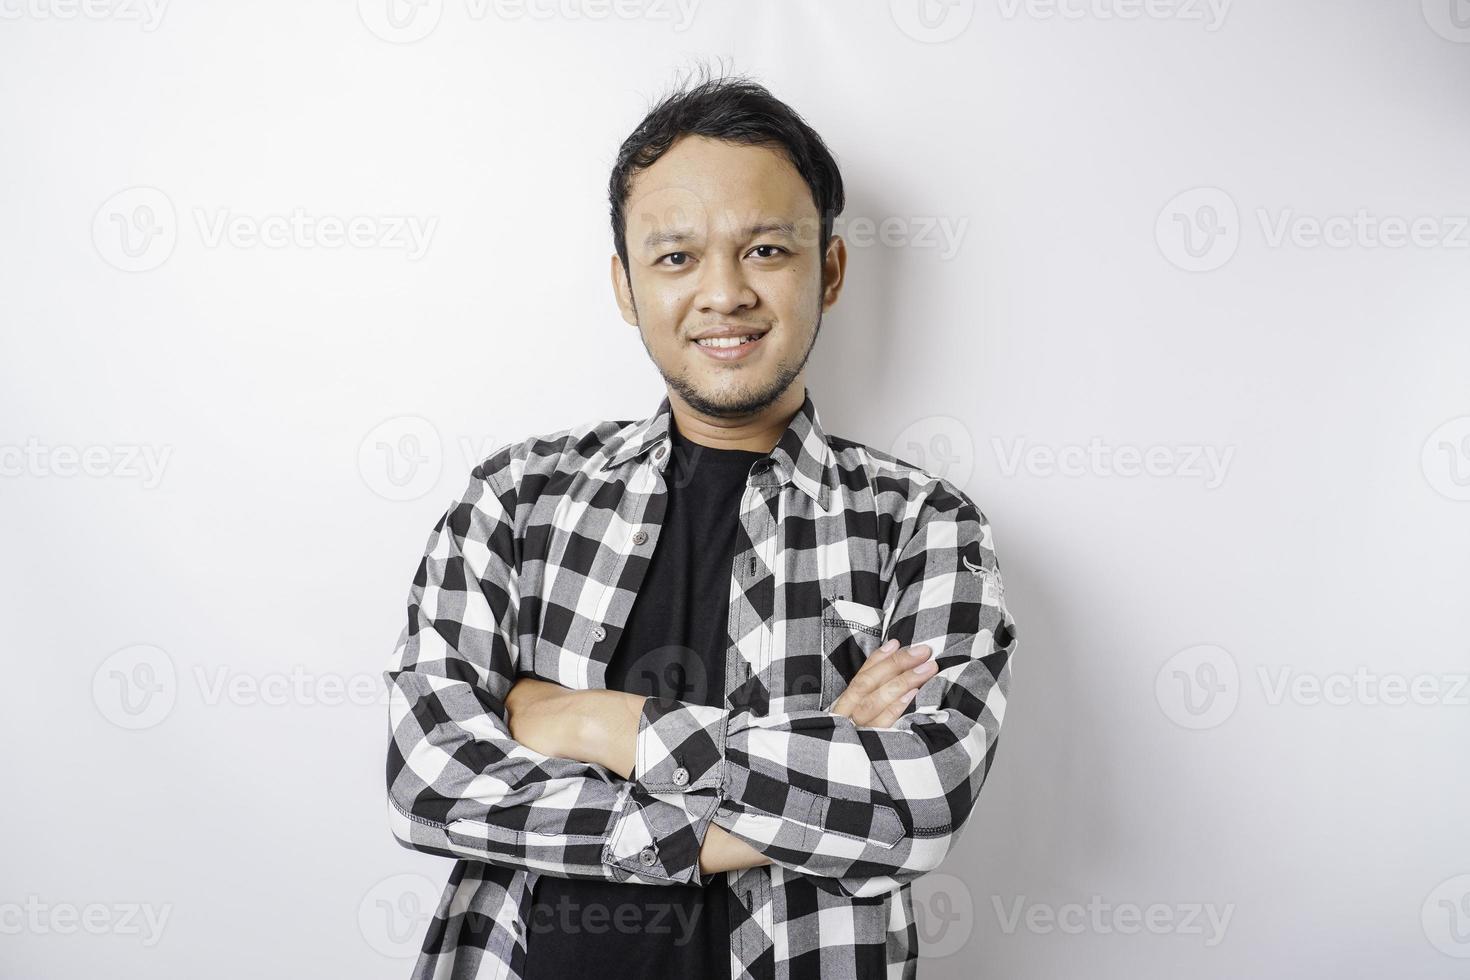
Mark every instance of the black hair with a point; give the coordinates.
(737, 110)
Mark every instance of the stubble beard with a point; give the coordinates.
(745, 401)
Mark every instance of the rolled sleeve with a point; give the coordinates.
(658, 839)
(680, 747)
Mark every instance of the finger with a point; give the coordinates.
(910, 680)
(862, 695)
(869, 706)
(877, 671)
(889, 716)
(862, 682)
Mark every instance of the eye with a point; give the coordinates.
(776, 247)
(676, 265)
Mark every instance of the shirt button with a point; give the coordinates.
(647, 858)
(598, 633)
(640, 536)
(681, 776)
(659, 453)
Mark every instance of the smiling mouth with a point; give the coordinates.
(727, 343)
(729, 348)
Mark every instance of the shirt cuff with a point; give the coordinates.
(656, 839)
(680, 747)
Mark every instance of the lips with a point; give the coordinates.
(731, 330)
(726, 342)
(731, 348)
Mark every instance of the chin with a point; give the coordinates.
(745, 396)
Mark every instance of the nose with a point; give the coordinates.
(723, 287)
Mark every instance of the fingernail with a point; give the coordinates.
(909, 696)
(920, 650)
(927, 667)
(889, 645)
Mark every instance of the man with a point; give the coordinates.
(702, 694)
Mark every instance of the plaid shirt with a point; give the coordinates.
(534, 569)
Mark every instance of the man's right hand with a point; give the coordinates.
(885, 684)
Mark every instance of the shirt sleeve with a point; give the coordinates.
(869, 808)
(458, 784)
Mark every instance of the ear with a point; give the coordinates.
(623, 290)
(834, 267)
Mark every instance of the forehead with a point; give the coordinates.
(711, 186)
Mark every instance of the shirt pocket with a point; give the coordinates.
(851, 632)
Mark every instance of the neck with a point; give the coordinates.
(759, 431)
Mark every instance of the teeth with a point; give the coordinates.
(725, 341)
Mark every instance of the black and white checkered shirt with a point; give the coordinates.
(534, 569)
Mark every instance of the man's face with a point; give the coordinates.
(725, 235)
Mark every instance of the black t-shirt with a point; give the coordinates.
(673, 646)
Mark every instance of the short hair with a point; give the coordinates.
(737, 110)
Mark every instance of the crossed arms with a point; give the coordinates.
(601, 727)
(625, 788)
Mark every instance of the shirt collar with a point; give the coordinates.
(801, 456)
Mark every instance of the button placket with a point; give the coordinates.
(648, 514)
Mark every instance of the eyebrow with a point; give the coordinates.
(657, 239)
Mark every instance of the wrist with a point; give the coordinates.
(723, 851)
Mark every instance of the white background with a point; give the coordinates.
(191, 720)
